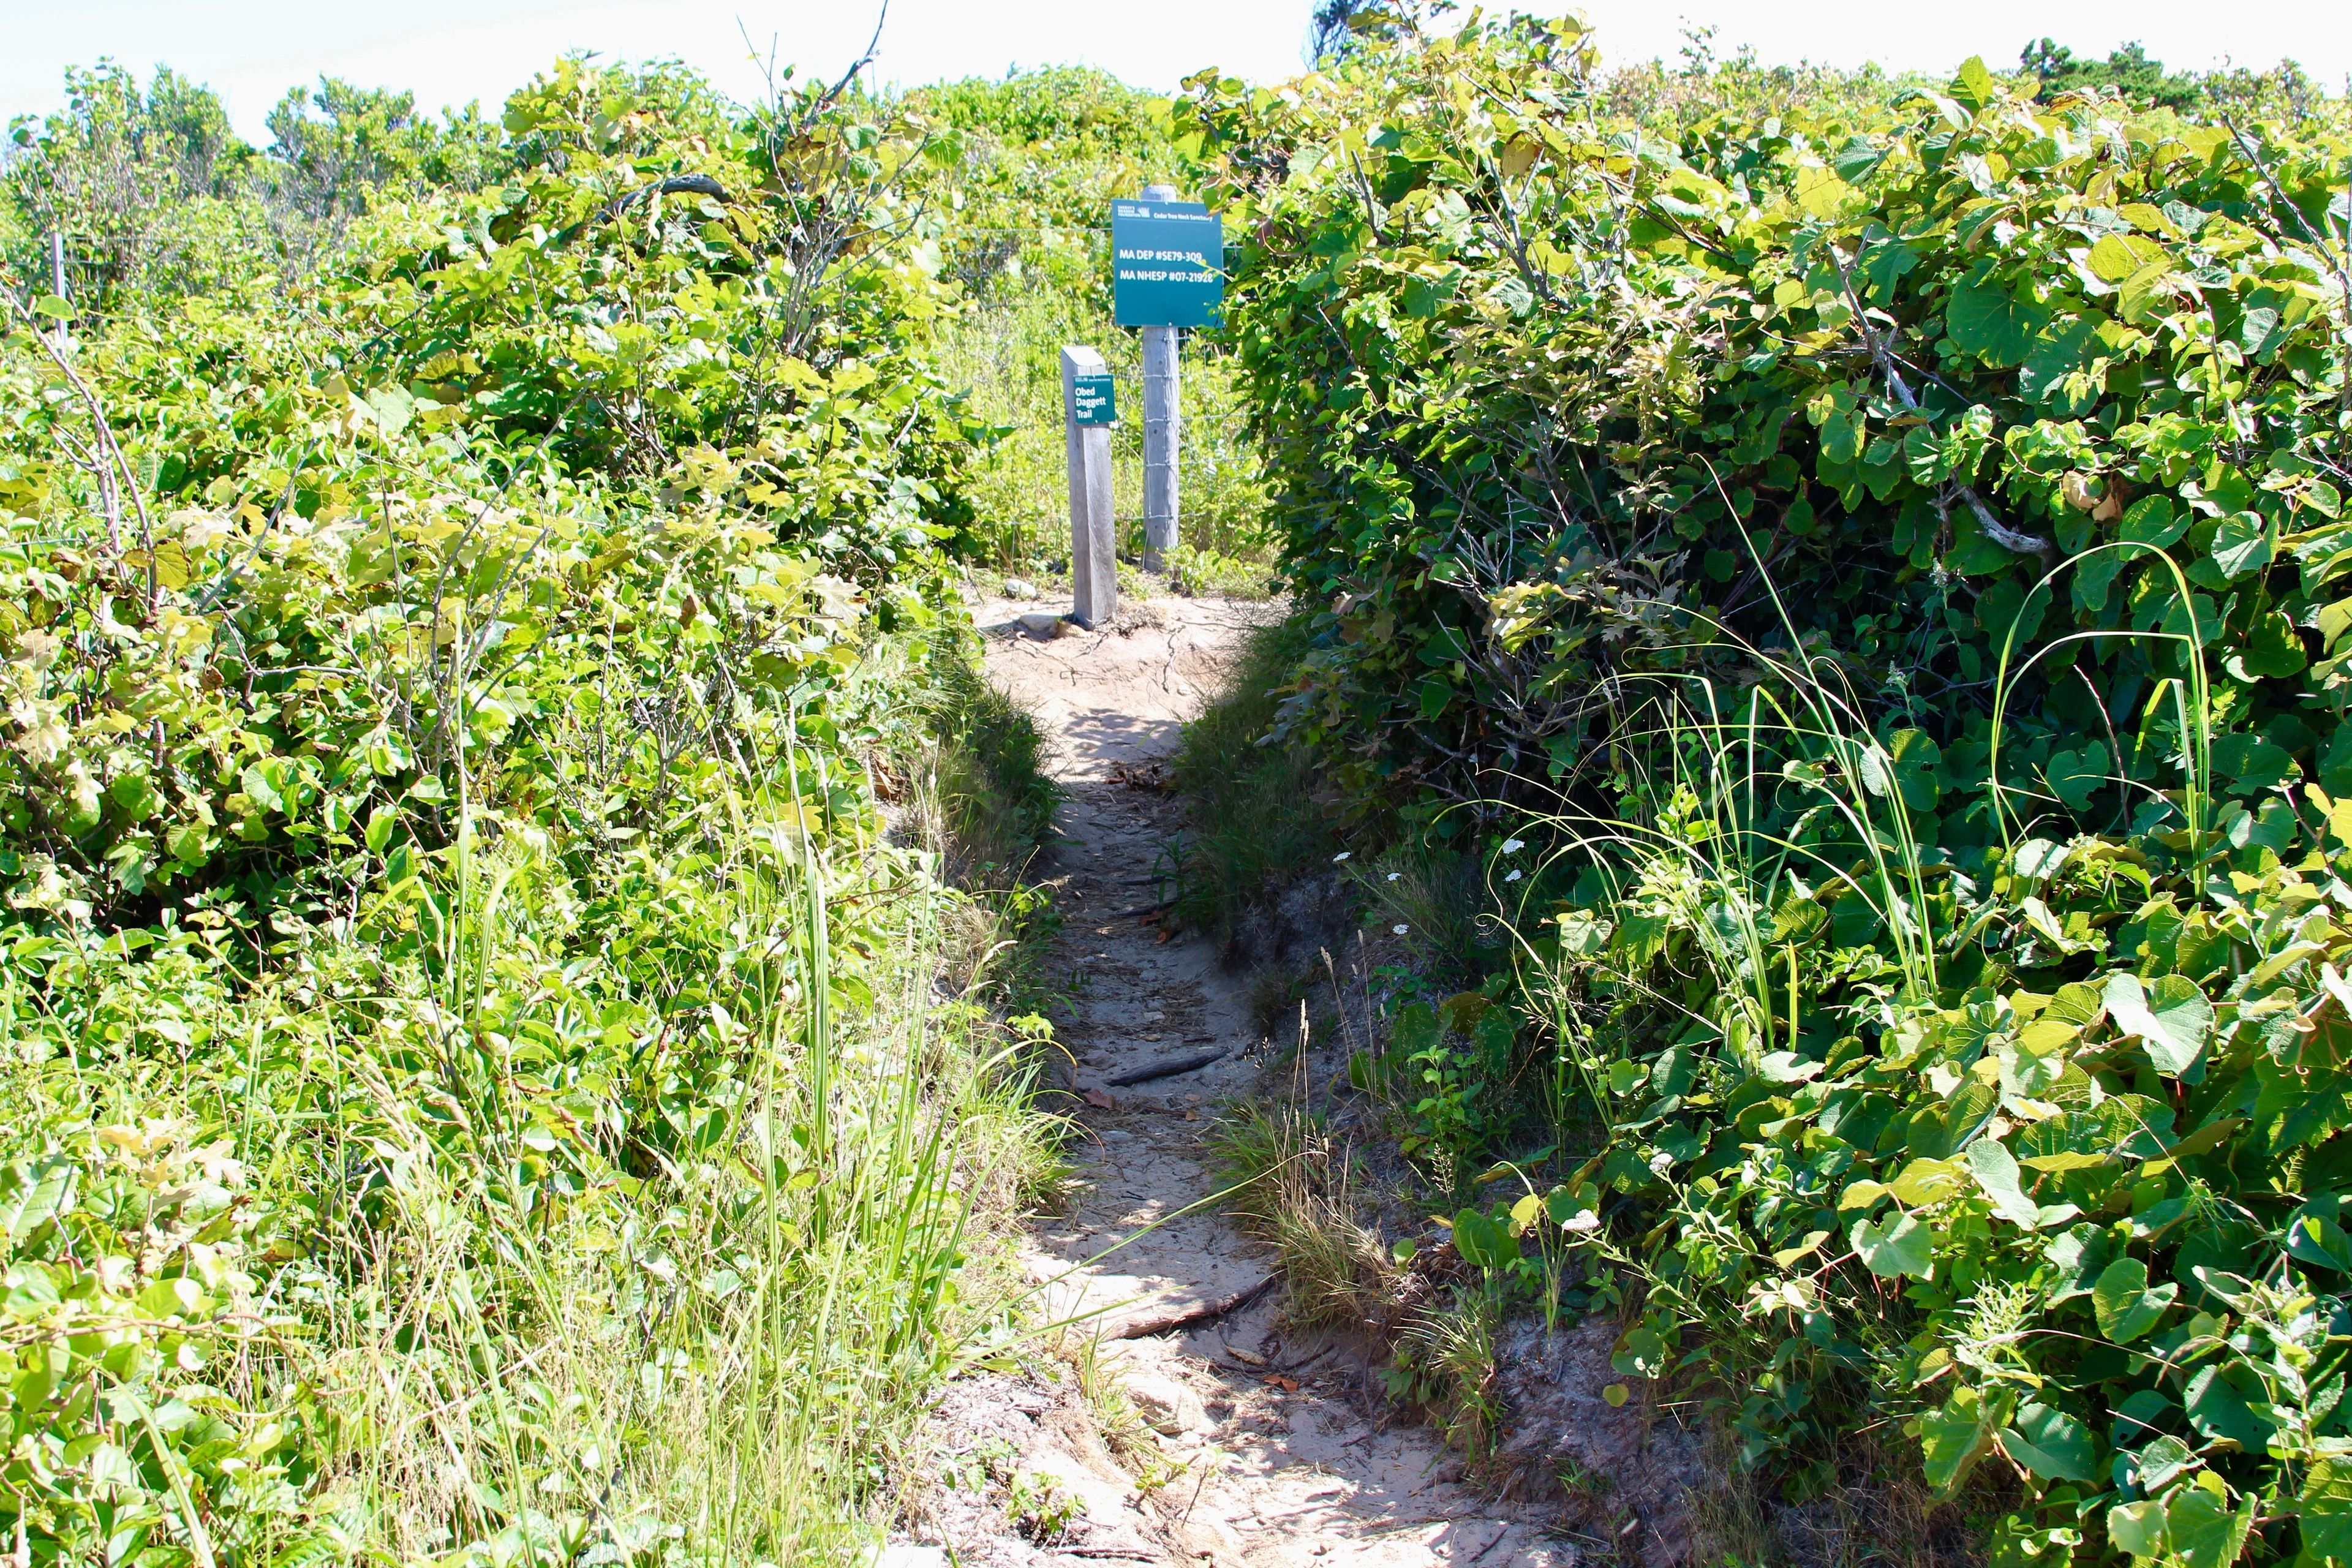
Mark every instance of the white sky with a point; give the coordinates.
(450, 51)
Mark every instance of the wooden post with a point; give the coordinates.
(1162, 430)
(1093, 561)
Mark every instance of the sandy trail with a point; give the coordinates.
(1288, 1455)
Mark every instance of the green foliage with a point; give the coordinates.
(1885, 554)
(155, 195)
(480, 1087)
(1039, 157)
(2126, 69)
(1830, 362)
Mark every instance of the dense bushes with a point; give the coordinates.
(1884, 559)
(478, 1083)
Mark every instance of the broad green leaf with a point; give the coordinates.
(2058, 352)
(257, 783)
(2244, 542)
(2151, 519)
(1821, 193)
(2144, 290)
(1916, 757)
(51, 306)
(2052, 1443)
(1995, 1169)
(2221, 1403)
(2202, 1529)
(34, 1192)
(2137, 1528)
(2326, 1508)
(1641, 1353)
(2125, 1306)
(2271, 649)
(1892, 1250)
(2314, 1235)
(2076, 775)
(2075, 1004)
(2117, 257)
(2078, 1255)
(1843, 434)
(1952, 1439)
(1861, 1194)
(2094, 577)
(1974, 85)
(2172, 1022)
(1787, 1256)
(2039, 857)
(1924, 1182)
(2160, 1458)
(1985, 319)
(1483, 1243)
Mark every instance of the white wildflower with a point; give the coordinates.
(1400, 930)
(1513, 845)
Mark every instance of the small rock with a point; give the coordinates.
(1167, 1406)
(1020, 588)
(1041, 623)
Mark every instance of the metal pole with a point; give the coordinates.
(1162, 430)
(1093, 564)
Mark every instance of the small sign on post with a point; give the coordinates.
(1092, 400)
(1088, 409)
(1167, 272)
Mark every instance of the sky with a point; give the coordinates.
(452, 51)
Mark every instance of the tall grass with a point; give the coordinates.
(562, 1276)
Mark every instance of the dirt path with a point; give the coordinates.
(1275, 1448)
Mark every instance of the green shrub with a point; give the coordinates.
(472, 975)
(1885, 556)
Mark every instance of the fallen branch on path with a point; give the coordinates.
(1172, 1067)
(1175, 1318)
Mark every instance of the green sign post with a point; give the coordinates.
(1168, 260)
(1167, 272)
(1092, 401)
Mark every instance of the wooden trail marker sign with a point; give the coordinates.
(1088, 409)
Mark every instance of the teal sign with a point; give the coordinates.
(1092, 401)
(1168, 264)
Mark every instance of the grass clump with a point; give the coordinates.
(1291, 1187)
(1255, 822)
